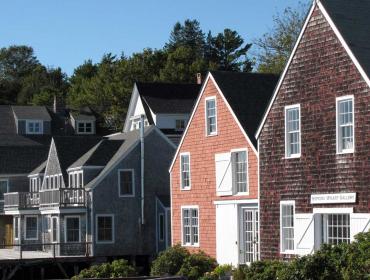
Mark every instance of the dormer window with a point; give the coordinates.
(34, 127)
(84, 127)
(180, 125)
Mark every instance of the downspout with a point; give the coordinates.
(142, 167)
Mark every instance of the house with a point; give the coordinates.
(214, 185)
(25, 137)
(314, 138)
(166, 105)
(97, 196)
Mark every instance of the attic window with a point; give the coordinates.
(34, 127)
(84, 128)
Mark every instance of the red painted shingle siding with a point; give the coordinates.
(202, 163)
(320, 71)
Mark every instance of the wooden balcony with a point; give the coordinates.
(21, 200)
(66, 197)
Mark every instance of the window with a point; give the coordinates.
(4, 188)
(239, 160)
(211, 116)
(34, 127)
(161, 227)
(336, 228)
(180, 125)
(345, 125)
(54, 229)
(126, 182)
(84, 127)
(31, 227)
(185, 171)
(72, 229)
(16, 227)
(34, 184)
(292, 131)
(190, 228)
(287, 226)
(76, 179)
(104, 228)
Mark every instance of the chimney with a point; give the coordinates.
(199, 78)
(58, 104)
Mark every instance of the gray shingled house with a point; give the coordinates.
(99, 196)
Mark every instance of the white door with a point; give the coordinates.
(249, 239)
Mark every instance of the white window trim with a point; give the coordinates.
(159, 227)
(206, 118)
(235, 192)
(133, 182)
(65, 229)
(337, 100)
(25, 227)
(96, 229)
(291, 203)
(300, 131)
(19, 221)
(51, 227)
(182, 226)
(41, 122)
(187, 188)
(7, 187)
(346, 210)
(74, 179)
(85, 122)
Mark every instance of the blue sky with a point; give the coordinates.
(66, 32)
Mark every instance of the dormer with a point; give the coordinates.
(32, 120)
(83, 121)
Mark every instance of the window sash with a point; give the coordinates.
(336, 228)
(33, 127)
(31, 227)
(240, 172)
(292, 123)
(211, 116)
(345, 125)
(105, 228)
(190, 226)
(72, 229)
(185, 171)
(287, 227)
(126, 186)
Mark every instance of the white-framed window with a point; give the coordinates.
(240, 171)
(336, 228)
(161, 226)
(4, 188)
(180, 125)
(34, 127)
(104, 228)
(345, 124)
(190, 225)
(35, 184)
(287, 211)
(31, 226)
(293, 131)
(72, 229)
(185, 171)
(54, 229)
(16, 228)
(84, 127)
(75, 179)
(126, 183)
(211, 116)
(136, 122)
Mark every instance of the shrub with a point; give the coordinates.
(169, 261)
(196, 265)
(118, 268)
(260, 270)
(219, 272)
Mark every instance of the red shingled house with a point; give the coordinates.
(214, 182)
(314, 140)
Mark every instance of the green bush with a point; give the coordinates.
(118, 268)
(260, 270)
(196, 265)
(169, 261)
(219, 272)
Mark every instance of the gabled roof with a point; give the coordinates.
(352, 18)
(7, 123)
(248, 95)
(39, 169)
(31, 113)
(84, 114)
(168, 98)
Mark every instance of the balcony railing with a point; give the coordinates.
(66, 197)
(21, 200)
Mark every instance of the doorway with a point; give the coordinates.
(249, 239)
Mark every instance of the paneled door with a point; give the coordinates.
(249, 239)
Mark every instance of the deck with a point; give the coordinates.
(12, 254)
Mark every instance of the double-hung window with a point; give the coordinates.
(293, 131)
(345, 124)
(190, 226)
(126, 182)
(211, 116)
(4, 188)
(104, 228)
(31, 227)
(185, 171)
(84, 127)
(34, 127)
(287, 226)
(72, 229)
(239, 160)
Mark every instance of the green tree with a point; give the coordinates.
(276, 45)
